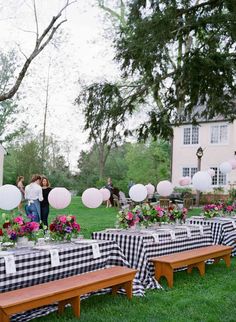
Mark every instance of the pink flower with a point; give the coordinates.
(76, 226)
(158, 208)
(19, 220)
(160, 214)
(63, 219)
(129, 216)
(34, 226)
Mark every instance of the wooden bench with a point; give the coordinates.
(165, 265)
(64, 291)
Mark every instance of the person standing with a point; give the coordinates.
(21, 187)
(33, 195)
(109, 186)
(44, 204)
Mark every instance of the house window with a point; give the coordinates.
(219, 179)
(219, 134)
(189, 172)
(191, 135)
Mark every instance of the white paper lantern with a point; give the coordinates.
(211, 172)
(202, 181)
(165, 188)
(138, 192)
(105, 194)
(184, 181)
(92, 198)
(10, 197)
(233, 163)
(150, 189)
(59, 198)
(225, 167)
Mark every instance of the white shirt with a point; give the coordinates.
(33, 191)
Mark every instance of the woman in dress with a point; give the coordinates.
(21, 187)
(44, 204)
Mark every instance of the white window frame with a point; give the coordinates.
(190, 127)
(217, 177)
(219, 141)
(191, 172)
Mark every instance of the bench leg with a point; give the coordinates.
(4, 317)
(226, 258)
(163, 269)
(200, 266)
(115, 288)
(216, 260)
(75, 303)
(128, 286)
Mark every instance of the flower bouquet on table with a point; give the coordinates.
(177, 215)
(17, 227)
(212, 210)
(64, 227)
(142, 214)
(127, 218)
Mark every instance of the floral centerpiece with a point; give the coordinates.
(144, 214)
(176, 214)
(212, 210)
(15, 227)
(64, 227)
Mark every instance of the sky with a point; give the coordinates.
(84, 55)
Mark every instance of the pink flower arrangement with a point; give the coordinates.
(15, 227)
(64, 227)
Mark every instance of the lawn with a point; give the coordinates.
(193, 298)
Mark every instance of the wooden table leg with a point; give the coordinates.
(129, 289)
(226, 258)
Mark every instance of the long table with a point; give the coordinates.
(139, 246)
(223, 229)
(33, 266)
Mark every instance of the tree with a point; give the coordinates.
(183, 52)
(41, 41)
(8, 109)
(148, 162)
(105, 113)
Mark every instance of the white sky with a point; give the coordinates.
(85, 56)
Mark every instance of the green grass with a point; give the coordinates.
(193, 298)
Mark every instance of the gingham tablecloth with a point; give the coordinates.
(139, 247)
(34, 267)
(223, 229)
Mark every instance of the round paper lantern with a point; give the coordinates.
(92, 198)
(59, 198)
(105, 194)
(211, 172)
(10, 197)
(150, 189)
(201, 181)
(233, 163)
(138, 192)
(184, 181)
(225, 167)
(165, 188)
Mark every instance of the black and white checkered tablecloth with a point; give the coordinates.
(139, 247)
(223, 230)
(34, 267)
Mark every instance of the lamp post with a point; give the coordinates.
(199, 155)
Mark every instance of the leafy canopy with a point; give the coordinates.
(183, 52)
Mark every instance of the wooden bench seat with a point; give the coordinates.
(165, 265)
(64, 291)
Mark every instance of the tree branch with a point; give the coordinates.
(39, 46)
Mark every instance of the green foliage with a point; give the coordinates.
(182, 53)
(25, 158)
(140, 162)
